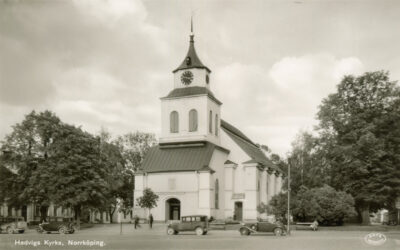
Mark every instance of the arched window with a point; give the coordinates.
(174, 122)
(216, 194)
(216, 125)
(210, 125)
(192, 120)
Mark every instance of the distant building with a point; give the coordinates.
(203, 164)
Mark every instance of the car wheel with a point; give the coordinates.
(170, 231)
(9, 230)
(244, 231)
(72, 231)
(199, 231)
(62, 230)
(278, 231)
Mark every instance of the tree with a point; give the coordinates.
(362, 117)
(133, 147)
(117, 179)
(78, 175)
(148, 200)
(324, 204)
(28, 148)
(307, 165)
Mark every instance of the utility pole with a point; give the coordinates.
(288, 200)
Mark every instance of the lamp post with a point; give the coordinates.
(288, 201)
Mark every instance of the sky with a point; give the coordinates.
(105, 64)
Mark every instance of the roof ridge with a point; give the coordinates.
(238, 132)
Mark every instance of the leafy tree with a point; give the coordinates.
(148, 200)
(133, 147)
(78, 174)
(307, 166)
(117, 179)
(362, 118)
(27, 148)
(325, 204)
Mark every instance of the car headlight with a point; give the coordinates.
(242, 224)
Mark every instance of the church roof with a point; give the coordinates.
(249, 147)
(191, 157)
(191, 59)
(192, 91)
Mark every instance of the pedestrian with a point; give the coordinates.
(151, 220)
(136, 221)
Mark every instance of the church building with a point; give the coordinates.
(203, 164)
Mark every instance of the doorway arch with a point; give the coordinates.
(172, 209)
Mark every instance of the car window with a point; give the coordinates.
(198, 219)
(185, 219)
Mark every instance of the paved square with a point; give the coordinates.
(156, 238)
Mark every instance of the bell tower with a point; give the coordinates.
(190, 112)
(192, 71)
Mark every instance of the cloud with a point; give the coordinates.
(111, 11)
(275, 103)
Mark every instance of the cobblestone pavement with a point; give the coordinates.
(109, 237)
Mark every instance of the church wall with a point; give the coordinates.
(244, 180)
(217, 164)
(180, 185)
(216, 109)
(183, 106)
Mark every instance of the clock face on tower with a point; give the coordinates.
(187, 77)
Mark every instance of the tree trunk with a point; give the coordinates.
(43, 213)
(111, 213)
(365, 214)
(77, 210)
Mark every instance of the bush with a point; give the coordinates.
(324, 204)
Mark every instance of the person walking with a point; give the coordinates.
(151, 220)
(136, 221)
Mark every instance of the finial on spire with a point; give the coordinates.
(191, 29)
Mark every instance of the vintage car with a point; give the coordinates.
(262, 227)
(12, 225)
(62, 225)
(196, 223)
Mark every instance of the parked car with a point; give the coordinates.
(12, 225)
(262, 227)
(197, 223)
(62, 225)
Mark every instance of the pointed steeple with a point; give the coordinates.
(191, 59)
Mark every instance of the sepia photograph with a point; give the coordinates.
(200, 124)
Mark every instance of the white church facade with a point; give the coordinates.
(203, 164)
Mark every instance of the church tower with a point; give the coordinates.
(190, 112)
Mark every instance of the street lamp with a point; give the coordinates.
(288, 200)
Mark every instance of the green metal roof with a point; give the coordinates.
(191, 91)
(254, 152)
(191, 157)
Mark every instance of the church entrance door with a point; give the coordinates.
(238, 213)
(172, 209)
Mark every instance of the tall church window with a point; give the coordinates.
(216, 194)
(210, 124)
(174, 122)
(192, 120)
(216, 124)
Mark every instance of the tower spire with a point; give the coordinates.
(191, 29)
